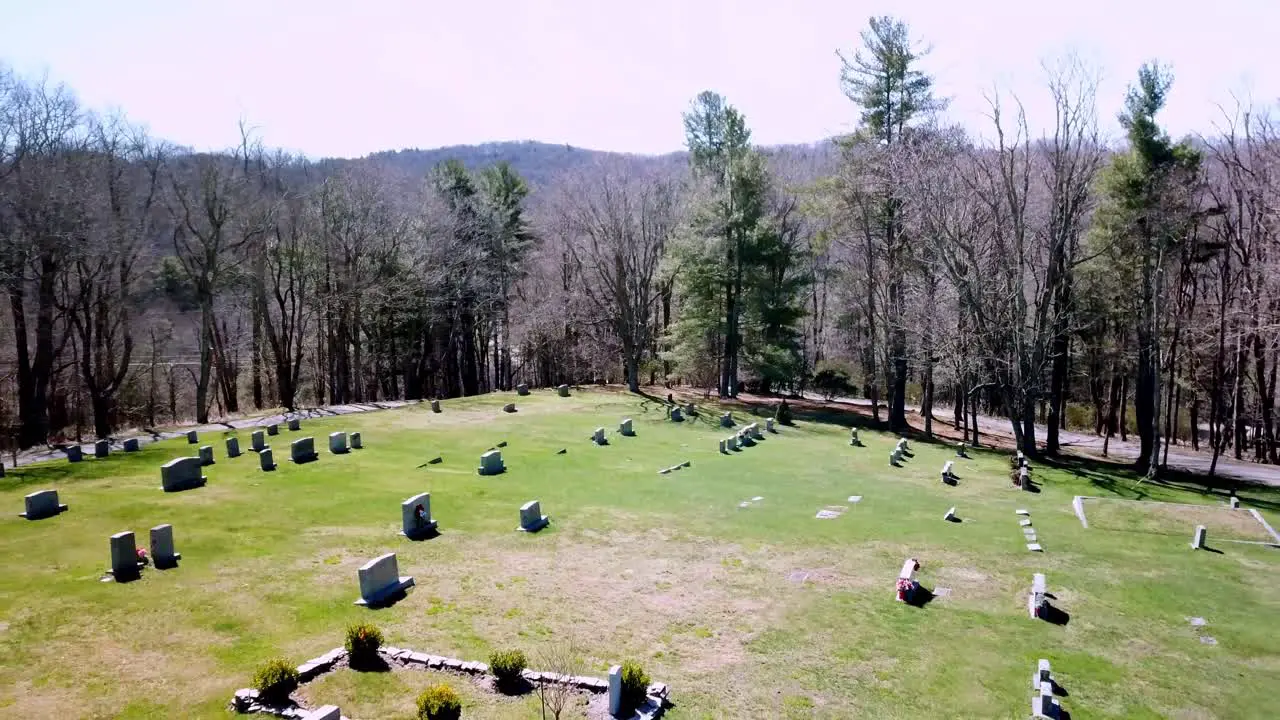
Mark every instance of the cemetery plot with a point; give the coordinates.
(1155, 518)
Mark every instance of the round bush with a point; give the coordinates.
(635, 684)
(363, 641)
(439, 702)
(275, 680)
(506, 666)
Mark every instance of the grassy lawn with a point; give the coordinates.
(745, 612)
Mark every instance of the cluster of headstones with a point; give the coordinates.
(748, 436)
(1043, 703)
(125, 564)
(1019, 461)
(101, 449)
(899, 451)
(677, 412)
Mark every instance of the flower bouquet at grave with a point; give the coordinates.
(904, 588)
(142, 557)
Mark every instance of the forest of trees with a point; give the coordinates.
(1059, 280)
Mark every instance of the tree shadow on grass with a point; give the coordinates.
(1119, 480)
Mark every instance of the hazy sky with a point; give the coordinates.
(329, 77)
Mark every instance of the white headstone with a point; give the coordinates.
(960, 450)
(615, 690)
(181, 474)
(531, 517)
(951, 514)
(491, 463)
(723, 449)
(162, 554)
(124, 556)
(1235, 502)
(42, 504)
(946, 470)
(338, 443)
(1197, 540)
(768, 425)
(598, 437)
(625, 429)
(1038, 591)
(265, 460)
(380, 578)
(233, 447)
(731, 442)
(303, 450)
(415, 516)
(893, 458)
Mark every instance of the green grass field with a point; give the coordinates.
(762, 611)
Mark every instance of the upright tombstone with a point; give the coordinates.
(42, 504)
(295, 424)
(1197, 540)
(1024, 478)
(1036, 600)
(960, 450)
(1043, 703)
(522, 389)
(854, 440)
(946, 471)
(615, 690)
(324, 712)
(124, 557)
(562, 390)
(531, 517)
(74, 453)
(131, 445)
(677, 415)
(273, 429)
(193, 437)
(726, 419)
(257, 441)
(902, 443)
(598, 437)
(491, 463)
(303, 450)
(357, 442)
(415, 517)
(206, 455)
(101, 449)
(182, 474)
(338, 443)
(380, 579)
(1235, 502)
(162, 554)
(906, 585)
(731, 442)
(745, 438)
(951, 515)
(265, 460)
(233, 447)
(768, 425)
(625, 429)
(755, 431)
(723, 450)
(435, 406)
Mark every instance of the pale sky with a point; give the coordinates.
(345, 78)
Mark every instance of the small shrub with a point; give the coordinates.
(363, 641)
(506, 666)
(439, 702)
(635, 684)
(275, 680)
(832, 379)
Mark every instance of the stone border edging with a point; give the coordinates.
(245, 700)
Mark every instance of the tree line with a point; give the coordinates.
(1056, 280)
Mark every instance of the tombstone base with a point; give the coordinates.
(123, 575)
(61, 509)
(271, 467)
(305, 459)
(166, 563)
(542, 522)
(387, 593)
(491, 471)
(429, 530)
(187, 486)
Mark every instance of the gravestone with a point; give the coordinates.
(531, 517)
(415, 516)
(435, 406)
(562, 390)
(722, 447)
(357, 442)
(522, 389)
(615, 690)
(726, 419)
(960, 450)
(124, 556)
(598, 437)
(491, 463)
(755, 431)
(338, 443)
(74, 453)
(853, 438)
(295, 424)
(380, 578)
(162, 554)
(206, 454)
(303, 450)
(273, 429)
(257, 441)
(265, 460)
(690, 409)
(1034, 547)
(676, 415)
(131, 445)
(625, 429)
(951, 515)
(745, 439)
(906, 585)
(101, 449)
(768, 425)
(1197, 540)
(893, 458)
(509, 408)
(946, 471)
(731, 442)
(42, 504)
(182, 474)
(1025, 522)
(1036, 601)
(324, 712)
(233, 447)
(1024, 479)
(192, 437)
(1235, 503)
(902, 443)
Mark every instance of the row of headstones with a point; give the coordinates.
(125, 564)
(101, 449)
(746, 437)
(1028, 531)
(380, 578)
(1043, 703)
(523, 389)
(678, 412)
(184, 473)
